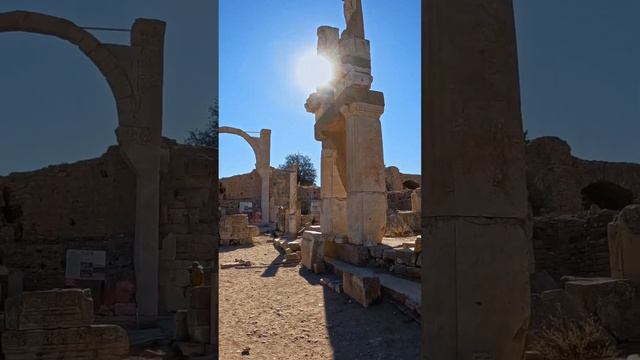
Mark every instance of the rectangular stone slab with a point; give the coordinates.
(51, 309)
(96, 342)
(365, 290)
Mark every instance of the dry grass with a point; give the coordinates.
(561, 339)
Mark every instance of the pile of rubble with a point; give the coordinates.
(58, 324)
(290, 248)
(235, 230)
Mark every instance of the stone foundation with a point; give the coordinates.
(56, 324)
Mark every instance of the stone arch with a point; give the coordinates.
(261, 148)
(410, 184)
(135, 76)
(260, 145)
(606, 195)
(98, 53)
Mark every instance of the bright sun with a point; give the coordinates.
(313, 70)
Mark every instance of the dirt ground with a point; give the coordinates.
(284, 313)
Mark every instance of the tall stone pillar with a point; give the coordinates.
(366, 189)
(293, 213)
(139, 137)
(333, 216)
(476, 251)
(265, 178)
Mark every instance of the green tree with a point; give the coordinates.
(209, 136)
(306, 170)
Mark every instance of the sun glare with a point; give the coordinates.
(313, 70)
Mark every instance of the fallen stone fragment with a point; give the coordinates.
(365, 290)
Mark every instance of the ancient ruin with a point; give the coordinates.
(126, 226)
(347, 116)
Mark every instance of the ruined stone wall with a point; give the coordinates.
(572, 245)
(247, 187)
(88, 204)
(187, 218)
(400, 199)
(397, 181)
(91, 205)
(555, 178)
(306, 194)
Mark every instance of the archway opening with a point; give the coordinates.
(410, 184)
(606, 195)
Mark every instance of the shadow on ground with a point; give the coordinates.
(228, 248)
(273, 270)
(378, 332)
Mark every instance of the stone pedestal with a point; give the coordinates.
(476, 251)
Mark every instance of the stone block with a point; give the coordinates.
(354, 254)
(624, 243)
(389, 255)
(312, 249)
(200, 334)
(418, 246)
(181, 332)
(198, 317)
(365, 290)
(51, 309)
(406, 257)
(200, 297)
(254, 231)
(615, 302)
(96, 342)
(377, 250)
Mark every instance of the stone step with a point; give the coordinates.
(407, 289)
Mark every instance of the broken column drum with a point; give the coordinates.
(347, 117)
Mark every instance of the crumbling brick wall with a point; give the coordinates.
(90, 205)
(307, 194)
(555, 178)
(572, 245)
(85, 205)
(247, 187)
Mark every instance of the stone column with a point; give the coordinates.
(139, 137)
(366, 190)
(293, 211)
(476, 252)
(333, 216)
(265, 177)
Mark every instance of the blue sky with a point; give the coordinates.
(55, 106)
(259, 88)
(579, 74)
